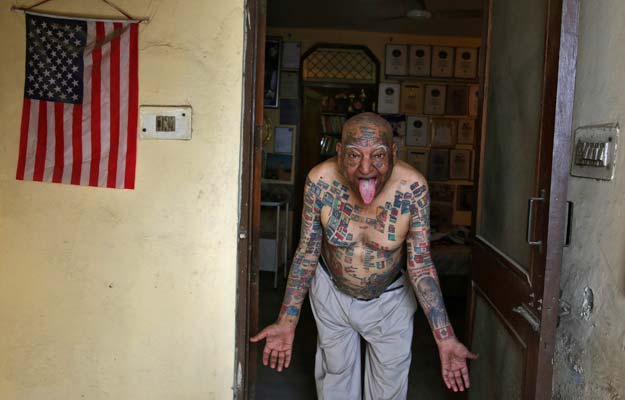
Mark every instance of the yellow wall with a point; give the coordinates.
(118, 294)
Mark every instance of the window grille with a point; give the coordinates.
(341, 65)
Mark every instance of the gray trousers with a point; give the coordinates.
(386, 325)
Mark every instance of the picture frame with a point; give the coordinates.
(457, 100)
(466, 131)
(388, 98)
(466, 63)
(443, 132)
(442, 61)
(291, 55)
(272, 71)
(434, 102)
(396, 60)
(441, 192)
(419, 60)
(438, 169)
(411, 100)
(289, 85)
(460, 164)
(283, 139)
(417, 131)
(278, 168)
(416, 157)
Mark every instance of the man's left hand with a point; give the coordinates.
(454, 356)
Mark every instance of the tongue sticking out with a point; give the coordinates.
(367, 190)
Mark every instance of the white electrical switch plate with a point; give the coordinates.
(594, 151)
(165, 122)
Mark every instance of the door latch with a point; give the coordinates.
(527, 315)
(530, 218)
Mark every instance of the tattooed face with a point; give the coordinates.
(366, 154)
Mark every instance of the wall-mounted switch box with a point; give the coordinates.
(594, 151)
(165, 122)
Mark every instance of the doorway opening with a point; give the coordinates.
(313, 82)
(527, 58)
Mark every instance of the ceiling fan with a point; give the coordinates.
(420, 12)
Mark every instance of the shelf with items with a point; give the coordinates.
(336, 107)
(432, 79)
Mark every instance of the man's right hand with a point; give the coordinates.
(279, 344)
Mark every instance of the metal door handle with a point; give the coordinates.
(527, 315)
(530, 218)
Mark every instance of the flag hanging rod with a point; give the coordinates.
(23, 10)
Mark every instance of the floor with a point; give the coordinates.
(297, 382)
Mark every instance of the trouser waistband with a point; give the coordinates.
(325, 267)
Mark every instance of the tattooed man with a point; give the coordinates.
(365, 216)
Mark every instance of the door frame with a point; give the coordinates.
(246, 320)
(558, 161)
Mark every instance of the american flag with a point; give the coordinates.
(79, 118)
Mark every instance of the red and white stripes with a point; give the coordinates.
(93, 143)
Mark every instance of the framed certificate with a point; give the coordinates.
(466, 63)
(460, 164)
(388, 98)
(419, 60)
(396, 59)
(272, 71)
(417, 158)
(417, 132)
(434, 102)
(457, 99)
(442, 192)
(439, 165)
(411, 98)
(466, 131)
(290, 55)
(443, 132)
(289, 85)
(283, 139)
(443, 61)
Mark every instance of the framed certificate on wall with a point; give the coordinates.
(419, 60)
(443, 132)
(439, 165)
(442, 61)
(396, 59)
(460, 164)
(466, 131)
(388, 98)
(417, 132)
(417, 158)
(434, 102)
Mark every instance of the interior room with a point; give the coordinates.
(414, 63)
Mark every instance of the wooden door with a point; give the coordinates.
(249, 222)
(528, 82)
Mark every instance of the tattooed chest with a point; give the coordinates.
(346, 223)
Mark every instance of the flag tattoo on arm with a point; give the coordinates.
(421, 268)
(306, 255)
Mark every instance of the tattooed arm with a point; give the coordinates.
(424, 279)
(280, 335)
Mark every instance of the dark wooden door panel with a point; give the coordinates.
(528, 76)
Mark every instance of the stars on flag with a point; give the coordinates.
(54, 60)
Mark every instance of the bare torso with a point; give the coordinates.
(363, 245)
